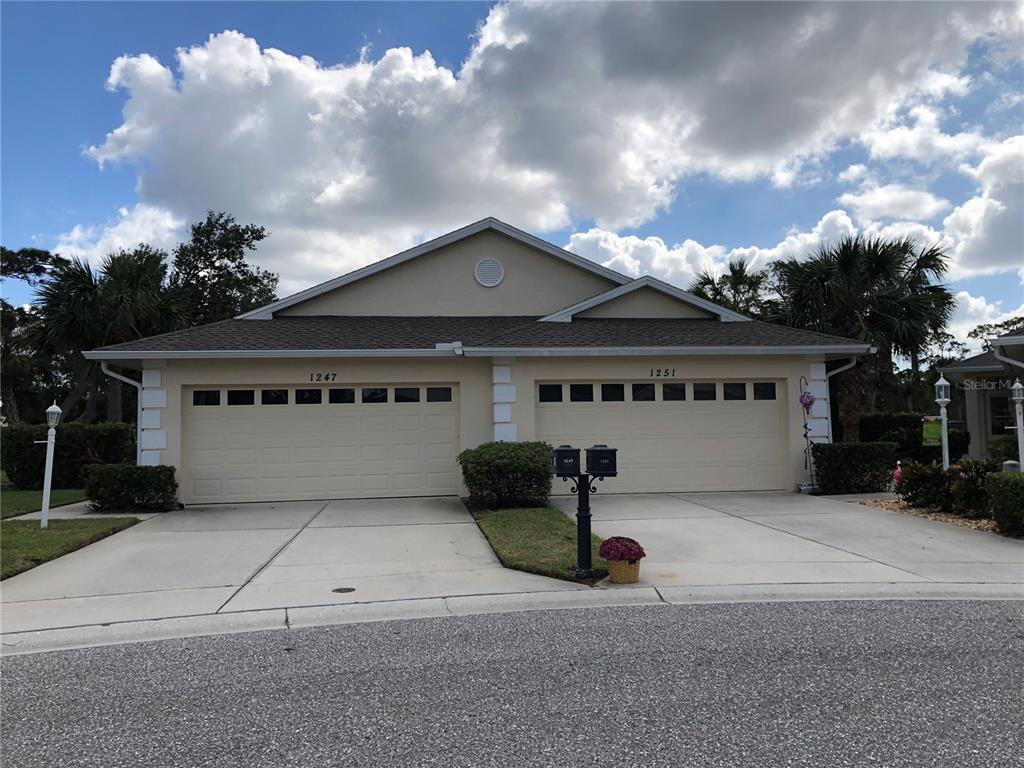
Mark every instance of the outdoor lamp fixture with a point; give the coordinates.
(942, 398)
(53, 414)
(601, 463)
(1017, 393)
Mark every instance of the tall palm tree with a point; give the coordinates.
(80, 309)
(739, 288)
(877, 290)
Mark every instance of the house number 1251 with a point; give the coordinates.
(662, 373)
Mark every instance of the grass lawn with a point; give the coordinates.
(14, 502)
(540, 540)
(24, 545)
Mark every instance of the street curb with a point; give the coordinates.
(119, 633)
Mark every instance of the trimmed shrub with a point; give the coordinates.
(904, 429)
(1003, 449)
(1006, 500)
(924, 485)
(967, 495)
(130, 488)
(77, 446)
(504, 475)
(854, 467)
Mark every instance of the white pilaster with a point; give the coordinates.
(152, 438)
(503, 397)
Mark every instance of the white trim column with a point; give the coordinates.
(503, 397)
(152, 435)
(819, 421)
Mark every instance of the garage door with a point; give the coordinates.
(278, 443)
(673, 436)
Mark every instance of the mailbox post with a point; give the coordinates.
(601, 463)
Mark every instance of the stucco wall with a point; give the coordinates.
(645, 302)
(442, 283)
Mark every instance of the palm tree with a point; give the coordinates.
(873, 289)
(80, 309)
(739, 289)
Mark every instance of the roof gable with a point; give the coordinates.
(599, 277)
(698, 307)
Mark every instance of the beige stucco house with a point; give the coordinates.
(985, 380)
(370, 384)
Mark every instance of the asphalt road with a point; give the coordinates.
(799, 684)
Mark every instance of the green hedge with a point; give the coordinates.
(960, 491)
(924, 485)
(854, 467)
(1004, 449)
(506, 475)
(24, 461)
(904, 429)
(1006, 500)
(130, 488)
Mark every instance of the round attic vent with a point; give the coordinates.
(489, 272)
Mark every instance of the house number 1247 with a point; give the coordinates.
(662, 373)
(323, 376)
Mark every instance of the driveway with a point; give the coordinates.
(231, 558)
(708, 542)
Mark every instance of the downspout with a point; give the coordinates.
(1004, 358)
(829, 375)
(104, 366)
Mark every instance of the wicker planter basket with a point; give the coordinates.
(623, 571)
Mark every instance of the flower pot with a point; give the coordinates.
(623, 571)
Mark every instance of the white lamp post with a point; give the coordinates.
(52, 420)
(942, 398)
(1017, 393)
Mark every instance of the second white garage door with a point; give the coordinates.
(344, 441)
(673, 436)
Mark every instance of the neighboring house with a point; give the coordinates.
(370, 384)
(986, 380)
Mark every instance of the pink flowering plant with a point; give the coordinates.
(621, 548)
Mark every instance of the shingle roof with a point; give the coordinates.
(413, 333)
(979, 362)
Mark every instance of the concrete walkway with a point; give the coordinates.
(716, 543)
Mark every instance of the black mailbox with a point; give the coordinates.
(601, 461)
(567, 461)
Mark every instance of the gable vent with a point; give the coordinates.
(489, 272)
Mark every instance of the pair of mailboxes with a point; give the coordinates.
(600, 461)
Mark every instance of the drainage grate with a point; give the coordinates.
(344, 590)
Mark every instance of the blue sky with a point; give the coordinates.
(651, 138)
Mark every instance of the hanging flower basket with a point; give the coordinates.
(807, 400)
(623, 555)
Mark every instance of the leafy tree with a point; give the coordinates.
(985, 332)
(79, 309)
(739, 289)
(211, 277)
(28, 264)
(873, 289)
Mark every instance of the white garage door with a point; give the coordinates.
(344, 441)
(673, 436)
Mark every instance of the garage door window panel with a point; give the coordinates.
(241, 397)
(764, 390)
(407, 394)
(734, 391)
(206, 397)
(345, 396)
(673, 392)
(375, 395)
(643, 393)
(581, 393)
(274, 397)
(703, 390)
(613, 393)
(439, 394)
(309, 396)
(550, 393)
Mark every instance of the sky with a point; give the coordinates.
(658, 138)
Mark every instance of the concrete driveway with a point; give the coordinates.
(231, 558)
(712, 542)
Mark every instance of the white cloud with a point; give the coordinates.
(988, 229)
(560, 112)
(923, 141)
(854, 174)
(893, 201)
(142, 224)
(972, 311)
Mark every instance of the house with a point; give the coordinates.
(370, 384)
(986, 380)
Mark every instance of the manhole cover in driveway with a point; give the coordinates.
(344, 590)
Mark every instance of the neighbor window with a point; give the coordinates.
(704, 391)
(643, 392)
(206, 397)
(734, 391)
(309, 396)
(1001, 415)
(241, 396)
(673, 391)
(613, 393)
(274, 397)
(581, 393)
(375, 394)
(341, 396)
(550, 393)
(764, 390)
(439, 394)
(407, 394)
